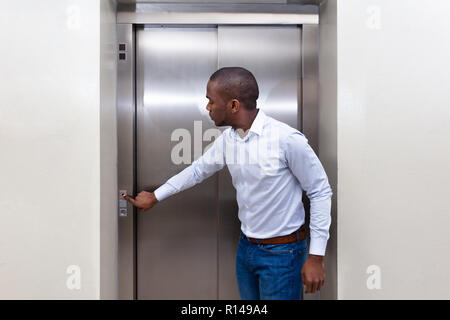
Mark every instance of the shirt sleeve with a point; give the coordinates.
(205, 166)
(306, 166)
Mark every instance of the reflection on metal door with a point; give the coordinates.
(186, 245)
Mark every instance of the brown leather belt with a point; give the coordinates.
(283, 239)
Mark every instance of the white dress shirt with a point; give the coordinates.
(270, 167)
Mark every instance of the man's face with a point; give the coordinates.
(216, 106)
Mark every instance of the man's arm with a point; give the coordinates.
(205, 166)
(305, 165)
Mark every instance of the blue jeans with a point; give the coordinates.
(270, 271)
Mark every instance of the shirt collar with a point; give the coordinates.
(258, 123)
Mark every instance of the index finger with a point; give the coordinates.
(130, 200)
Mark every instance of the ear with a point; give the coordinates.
(235, 105)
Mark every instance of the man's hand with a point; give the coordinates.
(313, 273)
(144, 200)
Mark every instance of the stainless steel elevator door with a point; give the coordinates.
(273, 55)
(176, 240)
(186, 245)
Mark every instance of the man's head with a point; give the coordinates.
(232, 91)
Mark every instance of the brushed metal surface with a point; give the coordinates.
(177, 239)
(217, 13)
(272, 54)
(310, 101)
(310, 82)
(229, 230)
(126, 152)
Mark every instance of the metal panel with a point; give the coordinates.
(177, 239)
(272, 54)
(229, 230)
(310, 101)
(210, 1)
(310, 81)
(126, 152)
(216, 13)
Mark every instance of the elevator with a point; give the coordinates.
(185, 247)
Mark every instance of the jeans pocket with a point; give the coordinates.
(280, 249)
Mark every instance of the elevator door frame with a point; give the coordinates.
(126, 113)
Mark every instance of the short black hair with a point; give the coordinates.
(237, 83)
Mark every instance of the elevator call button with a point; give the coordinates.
(123, 204)
(123, 212)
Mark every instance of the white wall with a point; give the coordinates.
(54, 114)
(393, 137)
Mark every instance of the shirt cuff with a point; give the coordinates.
(163, 192)
(318, 246)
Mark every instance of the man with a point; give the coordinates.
(270, 164)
